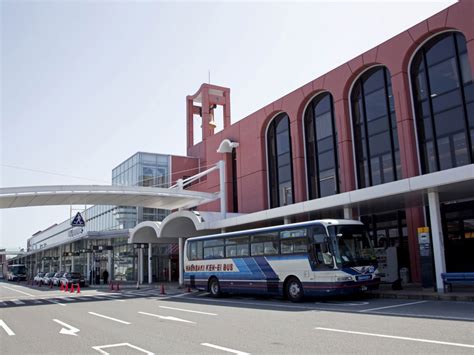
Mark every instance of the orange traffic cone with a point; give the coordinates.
(111, 286)
(162, 291)
(50, 284)
(118, 286)
(78, 288)
(72, 288)
(67, 287)
(189, 289)
(62, 287)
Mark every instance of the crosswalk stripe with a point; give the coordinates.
(17, 302)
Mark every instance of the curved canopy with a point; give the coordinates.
(152, 197)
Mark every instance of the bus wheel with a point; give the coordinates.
(214, 287)
(294, 290)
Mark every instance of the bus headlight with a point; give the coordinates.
(343, 278)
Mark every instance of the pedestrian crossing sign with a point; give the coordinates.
(78, 221)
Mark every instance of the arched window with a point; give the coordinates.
(279, 161)
(443, 94)
(375, 129)
(321, 147)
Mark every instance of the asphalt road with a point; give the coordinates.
(36, 321)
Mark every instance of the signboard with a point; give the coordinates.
(78, 221)
(71, 253)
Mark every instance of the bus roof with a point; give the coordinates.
(324, 222)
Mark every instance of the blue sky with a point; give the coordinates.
(86, 84)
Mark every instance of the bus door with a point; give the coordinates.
(321, 254)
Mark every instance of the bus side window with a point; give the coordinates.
(195, 250)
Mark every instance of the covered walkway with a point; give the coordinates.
(151, 197)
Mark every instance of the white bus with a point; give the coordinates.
(16, 272)
(324, 257)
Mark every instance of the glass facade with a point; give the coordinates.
(443, 95)
(458, 231)
(321, 147)
(279, 161)
(142, 169)
(374, 122)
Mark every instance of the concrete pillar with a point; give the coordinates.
(169, 270)
(60, 248)
(88, 263)
(286, 220)
(348, 213)
(72, 257)
(140, 265)
(181, 261)
(42, 261)
(437, 235)
(149, 263)
(109, 261)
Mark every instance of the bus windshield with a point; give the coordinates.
(18, 269)
(353, 245)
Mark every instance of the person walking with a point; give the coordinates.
(105, 276)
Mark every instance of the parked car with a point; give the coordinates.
(47, 278)
(39, 277)
(70, 278)
(57, 276)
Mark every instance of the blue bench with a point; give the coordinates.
(450, 278)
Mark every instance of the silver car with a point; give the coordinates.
(57, 276)
(47, 278)
(39, 277)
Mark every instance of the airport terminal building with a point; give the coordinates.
(387, 138)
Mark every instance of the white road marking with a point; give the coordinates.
(17, 301)
(6, 328)
(225, 349)
(394, 306)
(397, 337)
(430, 316)
(36, 301)
(55, 302)
(12, 289)
(70, 331)
(345, 304)
(188, 310)
(167, 318)
(107, 317)
(99, 348)
(119, 300)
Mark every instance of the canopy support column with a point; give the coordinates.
(437, 235)
(181, 261)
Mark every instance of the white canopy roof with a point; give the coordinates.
(151, 197)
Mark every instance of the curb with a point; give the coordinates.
(455, 298)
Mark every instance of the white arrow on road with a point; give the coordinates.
(70, 331)
(6, 328)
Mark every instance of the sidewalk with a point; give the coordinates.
(416, 292)
(170, 287)
(410, 291)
